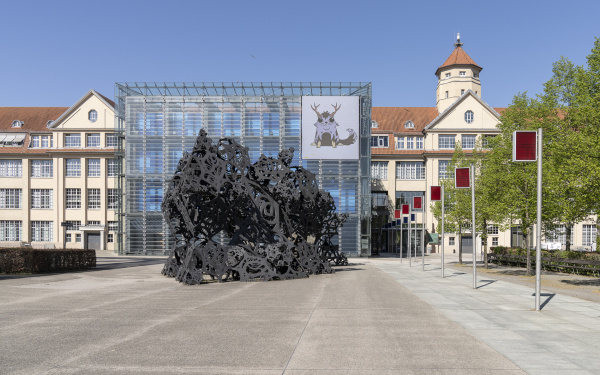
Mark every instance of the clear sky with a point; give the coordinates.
(53, 52)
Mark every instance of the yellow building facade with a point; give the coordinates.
(58, 175)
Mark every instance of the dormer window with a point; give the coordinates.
(374, 124)
(17, 124)
(93, 115)
(409, 125)
(49, 123)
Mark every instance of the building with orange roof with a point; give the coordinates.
(57, 175)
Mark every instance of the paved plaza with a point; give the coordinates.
(375, 316)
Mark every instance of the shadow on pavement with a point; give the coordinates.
(487, 282)
(594, 282)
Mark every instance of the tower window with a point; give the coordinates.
(462, 91)
(93, 115)
(462, 74)
(469, 116)
(446, 94)
(448, 75)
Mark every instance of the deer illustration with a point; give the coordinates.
(327, 134)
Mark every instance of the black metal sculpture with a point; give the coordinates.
(278, 223)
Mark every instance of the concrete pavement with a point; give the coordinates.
(376, 316)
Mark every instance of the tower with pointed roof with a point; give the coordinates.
(457, 75)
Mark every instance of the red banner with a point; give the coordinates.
(417, 203)
(436, 193)
(462, 178)
(525, 145)
(405, 209)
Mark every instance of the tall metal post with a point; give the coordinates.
(409, 244)
(423, 220)
(474, 232)
(442, 234)
(538, 229)
(401, 227)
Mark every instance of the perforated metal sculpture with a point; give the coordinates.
(278, 223)
(327, 133)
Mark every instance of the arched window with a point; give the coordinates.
(93, 115)
(469, 116)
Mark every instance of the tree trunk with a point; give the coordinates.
(568, 235)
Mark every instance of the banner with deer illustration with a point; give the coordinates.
(330, 127)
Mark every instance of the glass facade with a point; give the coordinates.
(157, 122)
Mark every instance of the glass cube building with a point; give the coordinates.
(157, 122)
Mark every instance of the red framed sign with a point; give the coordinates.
(524, 145)
(417, 203)
(462, 178)
(436, 193)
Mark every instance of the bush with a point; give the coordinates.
(28, 260)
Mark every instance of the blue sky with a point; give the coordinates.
(54, 52)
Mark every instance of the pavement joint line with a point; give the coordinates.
(327, 279)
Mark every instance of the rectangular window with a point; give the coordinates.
(75, 224)
(468, 141)
(446, 141)
(110, 238)
(558, 234)
(41, 231)
(486, 140)
(112, 199)
(77, 237)
(10, 168)
(589, 235)
(448, 75)
(43, 141)
(93, 140)
(451, 241)
(72, 140)
(73, 167)
(410, 170)
(112, 168)
(379, 169)
(68, 237)
(41, 168)
(93, 199)
(379, 199)
(111, 140)
(400, 143)
(41, 199)
(410, 143)
(379, 141)
(462, 91)
(492, 229)
(113, 226)
(419, 143)
(462, 74)
(73, 198)
(443, 171)
(11, 230)
(494, 241)
(10, 198)
(95, 223)
(93, 167)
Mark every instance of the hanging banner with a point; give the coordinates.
(330, 127)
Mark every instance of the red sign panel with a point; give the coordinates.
(436, 193)
(524, 145)
(405, 209)
(397, 214)
(462, 178)
(417, 203)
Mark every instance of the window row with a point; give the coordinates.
(44, 168)
(92, 140)
(43, 198)
(409, 143)
(405, 170)
(42, 231)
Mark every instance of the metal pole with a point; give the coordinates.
(474, 232)
(442, 234)
(538, 247)
(401, 226)
(423, 220)
(409, 247)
